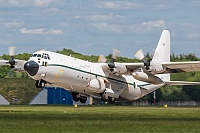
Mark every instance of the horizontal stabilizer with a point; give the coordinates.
(170, 83)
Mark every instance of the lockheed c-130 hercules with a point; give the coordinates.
(111, 81)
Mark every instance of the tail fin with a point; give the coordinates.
(162, 52)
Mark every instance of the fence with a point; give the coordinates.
(162, 103)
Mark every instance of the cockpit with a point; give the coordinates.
(43, 56)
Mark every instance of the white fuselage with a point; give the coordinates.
(76, 75)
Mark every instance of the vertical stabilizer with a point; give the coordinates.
(162, 52)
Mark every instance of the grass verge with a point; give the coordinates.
(57, 119)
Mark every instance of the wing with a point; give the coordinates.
(168, 67)
(133, 66)
(4, 63)
(121, 68)
(177, 67)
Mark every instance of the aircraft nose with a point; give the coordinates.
(31, 67)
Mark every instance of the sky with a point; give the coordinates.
(95, 27)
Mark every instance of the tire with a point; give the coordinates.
(37, 84)
(104, 98)
(83, 99)
(42, 83)
(111, 100)
(76, 97)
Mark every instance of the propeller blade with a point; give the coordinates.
(12, 50)
(139, 55)
(115, 54)
(152, 54)
(102, 59)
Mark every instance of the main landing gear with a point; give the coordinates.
(40, 83)
(77, 97)
(106, 98)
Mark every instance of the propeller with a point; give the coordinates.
(12, 54)
(102, 59)
(111, 64)
(140, 56)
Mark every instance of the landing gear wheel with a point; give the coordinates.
(83, 99)
(111, 100)
(104, 98)
(40, 83)
(37, 84)
(76, 97)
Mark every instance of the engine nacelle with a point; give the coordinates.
(130, 90)
(97, 85)
(147, 78)
(119, 69)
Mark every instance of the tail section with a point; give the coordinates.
(162, 53)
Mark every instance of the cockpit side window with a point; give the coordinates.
(48, 57)
(45, 56)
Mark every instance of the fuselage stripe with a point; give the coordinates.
(95, 74)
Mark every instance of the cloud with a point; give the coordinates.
(193, 36)
(41, 31)
(104, 17)
(42, 3)
(30, 3)
(10, 23)
(149, 25)
(105, 27)
(116, 5)
(77, 17)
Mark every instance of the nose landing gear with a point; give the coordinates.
(40, 83)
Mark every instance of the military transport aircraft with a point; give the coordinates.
(109, 81)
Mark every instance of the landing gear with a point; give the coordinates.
(111, 100)
(106, 98)
(83, 99)
(40, 83)
(77, 97)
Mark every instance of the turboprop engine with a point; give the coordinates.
(97, 85)
(147, 77)
(119, 69)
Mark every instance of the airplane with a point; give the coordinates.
(111, 81)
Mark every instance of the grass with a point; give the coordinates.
(117, 119)
(21, 88)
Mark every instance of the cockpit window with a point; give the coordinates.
(34, 55)
(39, 55)
(44, 56)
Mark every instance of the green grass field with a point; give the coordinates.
(91, 119)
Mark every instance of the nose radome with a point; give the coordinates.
(31, 67)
